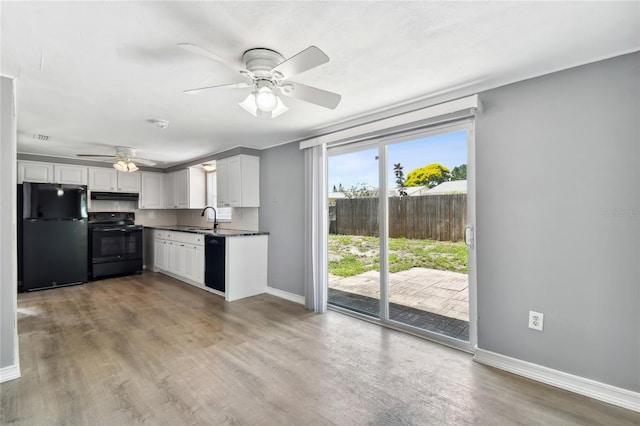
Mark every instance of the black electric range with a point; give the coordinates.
(115, 244)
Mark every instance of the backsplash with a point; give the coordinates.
(143, 217)
(243, 218)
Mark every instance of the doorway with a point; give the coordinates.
(400, 249)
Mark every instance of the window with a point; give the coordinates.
(224, 213)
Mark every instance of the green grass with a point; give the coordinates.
(352, 255)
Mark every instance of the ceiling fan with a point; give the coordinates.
(123, 159)
(268, 73)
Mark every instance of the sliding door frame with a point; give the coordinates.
(382, 144)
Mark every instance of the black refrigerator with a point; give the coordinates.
(54, 235)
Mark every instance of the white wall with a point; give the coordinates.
(558, 220)
(8, 258)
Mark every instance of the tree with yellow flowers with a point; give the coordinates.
(430, 175)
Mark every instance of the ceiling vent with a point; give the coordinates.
(39, 137)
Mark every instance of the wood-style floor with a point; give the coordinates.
(148, 349)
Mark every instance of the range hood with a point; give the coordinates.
(115, 196)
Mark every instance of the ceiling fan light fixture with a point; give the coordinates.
(120, 166)
(249, 105)
(208, 167)
(252, 104)
(125, 166)
(266, 100)
(280, 109)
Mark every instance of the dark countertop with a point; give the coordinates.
(208, 231)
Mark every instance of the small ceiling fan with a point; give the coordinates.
(268, 73)
(123, 159)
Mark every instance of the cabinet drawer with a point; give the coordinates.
(187, 237)
(163, 235)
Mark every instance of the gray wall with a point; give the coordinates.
(8, 277)
(282, 215)
(558, 220)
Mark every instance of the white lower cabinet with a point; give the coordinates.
(161, 253)
(176, 257)
(181, 255)
(194, 262)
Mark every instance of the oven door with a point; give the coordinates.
(115, 244)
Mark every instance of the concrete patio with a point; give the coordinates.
(440, 292)
(426, 298)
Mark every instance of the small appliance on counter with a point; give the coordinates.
(115, 244)
(53, 235)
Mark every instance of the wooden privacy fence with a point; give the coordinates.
(435, 217)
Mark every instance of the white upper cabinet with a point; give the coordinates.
(186, 189)
(72, 175)
(222, 183)
(238, 181)
(39, 172)
(152, 190)
(102, 179)
(128, 181)
(105, 179)
(30, 171)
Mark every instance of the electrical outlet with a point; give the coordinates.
(536, 320)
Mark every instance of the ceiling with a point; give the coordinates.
(90, 75)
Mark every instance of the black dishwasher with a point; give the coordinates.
(214, 255)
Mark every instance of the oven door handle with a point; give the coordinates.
(116, 230)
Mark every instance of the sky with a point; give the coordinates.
(361, 167)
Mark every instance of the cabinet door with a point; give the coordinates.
(238, 181)
(160, 254)
(128, 182)
(199, 265)
(102, 179)
(152, 190)
(170, 191)
(235, 182)
(181, 189)
(72, 175)
(197, 186)
(176, 257)
(194, 263)
(222, 182)
(250, 181)
(35, 172)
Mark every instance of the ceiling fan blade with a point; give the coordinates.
(223, 86)
(310, 57)
(143, 161)
(236, 66)
(314, 95)
(95, 156)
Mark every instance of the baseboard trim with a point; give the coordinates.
(296, 298)
(587, 387)
(9, 373)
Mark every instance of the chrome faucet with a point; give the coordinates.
(215, 216)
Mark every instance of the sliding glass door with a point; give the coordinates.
(399, 211)
(354, 243)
